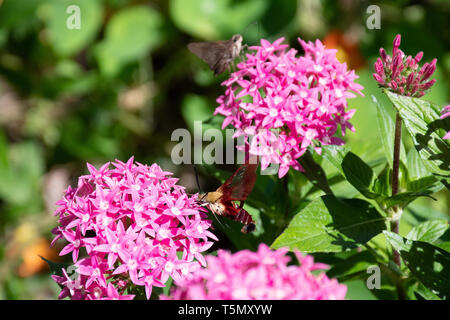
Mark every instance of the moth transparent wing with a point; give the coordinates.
(221, 66)
(210, 52)
(240, 184)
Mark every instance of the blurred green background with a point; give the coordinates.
(124, 81)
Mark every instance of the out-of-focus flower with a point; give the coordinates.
(134, 98)
(347, 48)
(260, 275)
(13, 109)
(445, 114)
(54, 183)
(26, 244)
(401, 73)
(31, 257)
(137, 227)
(287, 103)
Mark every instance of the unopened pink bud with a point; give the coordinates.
(396, 45)
(418, 57)
(383, 55)
(394, 85)
(397, 59)
(403, 80)
(429, 71)
(395, 65)
(379, 67)
(397, 40)
(400, 68)
(422, 70)
(378, 78)
(409, 80)
(420, 94)
(408, 61)
(428, 84)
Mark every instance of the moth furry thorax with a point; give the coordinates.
(236, 49)
(209, 197)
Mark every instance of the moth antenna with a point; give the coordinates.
(203, 197)
(196, 178)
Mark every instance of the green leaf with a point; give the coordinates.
(21, 172)
(415, 189)
(383, 183)
(66, 41)
(417, 213)
(276, 24)
(4, 161)
(214, 20)
(386, 129)
(416, 167)
(130, 35)
(430, 183)
(329, 224)
(428, 231)
(357, 290)
(168, 286)
(403, 199)
(425, 293)
(56, 267)
(417, 291)
(196, 108)
(348, 266)
(335, 155)
(428, 263)
(359, 174)
(314, 172)
(14, 14)
(422, 120)
(444, 245)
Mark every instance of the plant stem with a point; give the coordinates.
(396, 157)
(396, 210)
(395, 177)
(397, 279)
(287, 200)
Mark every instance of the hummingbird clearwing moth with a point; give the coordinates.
(236, 188)
(219, 54)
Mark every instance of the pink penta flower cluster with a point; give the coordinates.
(260, 275)
(401, 73)
(135, 227)
(285, 102)
(445, 114)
